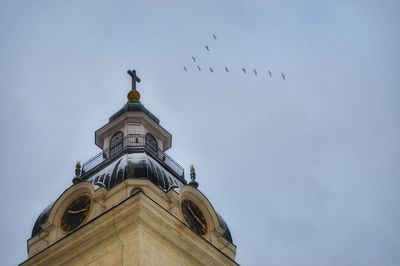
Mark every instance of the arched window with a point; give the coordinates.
(116, 143)
(151, 144)
(136, 190)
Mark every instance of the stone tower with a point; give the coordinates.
(131, 204)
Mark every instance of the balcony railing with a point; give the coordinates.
(132, 144)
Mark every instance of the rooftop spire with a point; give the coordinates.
(78, 172)
(193, 182)
(133, 94)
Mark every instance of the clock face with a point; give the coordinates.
(194, 217)
(75, 213)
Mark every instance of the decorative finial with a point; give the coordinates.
(133, 94)
(77, 178)
(193, 182)
(78, 168)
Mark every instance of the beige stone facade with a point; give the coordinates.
(134, 223)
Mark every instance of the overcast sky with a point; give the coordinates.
(305, 170)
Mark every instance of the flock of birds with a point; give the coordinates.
(226, 67)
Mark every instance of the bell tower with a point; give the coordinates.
(131, 204)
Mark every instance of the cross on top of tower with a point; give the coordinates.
(135, 78)
(133, 94)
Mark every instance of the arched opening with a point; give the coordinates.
(116, 143)
(136, 190)
(151, 144)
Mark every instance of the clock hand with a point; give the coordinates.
(204, 227)
(78, 211)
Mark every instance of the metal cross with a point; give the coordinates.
(135, 78)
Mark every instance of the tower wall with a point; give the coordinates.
(136, 231)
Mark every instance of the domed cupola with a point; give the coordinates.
(133, 146)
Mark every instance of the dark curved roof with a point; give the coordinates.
(42, 219)
(227, 233)
(133, 166)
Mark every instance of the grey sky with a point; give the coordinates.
(304, 171)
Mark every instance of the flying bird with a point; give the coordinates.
(208, 49)
(244, 70)
(226, 69)
(185, 69)
(283, 76)
(212, 70)
(194, 59)
(198, 67)
(270, 74)
(215, 37)
(255, 72)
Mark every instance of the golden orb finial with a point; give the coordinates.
(133, 95)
